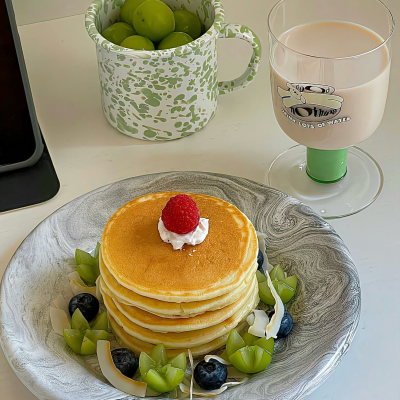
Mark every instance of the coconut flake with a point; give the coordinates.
(74, 276)
(192, 377)
(260, 322)
(114, 376)
(61, 304)
(213, 357)
(275, 323)
(77, 288)
(59, 320)
(210, 393)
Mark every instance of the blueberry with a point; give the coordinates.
(260, 260)
(210, 375)
(126, 361)
(87, 304)
(286, 324)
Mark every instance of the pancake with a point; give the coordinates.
(139, 260)
(181, 340)
(137, 346)
(167, 309)
(210, 318)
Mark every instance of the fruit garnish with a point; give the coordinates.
(118, 32)
(78, 321)
(174, 39)
(87, 266)
(181, 214)
(96, 334)
(194, 388)
(249, 354)
(128, 9)
(286, 324)
(126, 361)
(87, 274)
(87, 347)
(60, 303)
(258, 321)
(137, 42)
(285, 286)
(187, 22)
(114, 375)
(160, 373)
(59, 320)
(82, 257)
(210, 375)
(87, 304)
(74, 339)
(154, 20)
(101, 322)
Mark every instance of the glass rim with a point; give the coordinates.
(332, 58)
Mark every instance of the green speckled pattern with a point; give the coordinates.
(165, 94)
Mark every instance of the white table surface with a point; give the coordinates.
(242, 140)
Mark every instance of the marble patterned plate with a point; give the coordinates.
(325, 310)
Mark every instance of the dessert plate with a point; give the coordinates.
(325, 310)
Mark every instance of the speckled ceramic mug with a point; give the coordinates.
(165, 94)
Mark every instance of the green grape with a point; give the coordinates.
(250, 359)
(285, 287)
(260, 277)
(82, 257)
(88, 347)
(96, 268)
(249, 339)
(179, 361)
(137, 42)
(160, 373)
(101, 322)
(154, 20)
(86, 272)
(174, 39)
(265, 344)
(74, 339)
(234, 342)
(187, 22)
(128, 8)
(78, 321)
(159, 354)
(95, 335)
(277, 273)
(116, 34)
(265, 293)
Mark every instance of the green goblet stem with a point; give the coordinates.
(326, 166)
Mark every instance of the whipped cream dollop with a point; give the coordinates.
(178, 241)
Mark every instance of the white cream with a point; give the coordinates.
(195, 237)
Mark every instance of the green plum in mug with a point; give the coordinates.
(153, 19)
(128, 8)
(137, 42)
(187, 22)
(174, 39)
(118, 32)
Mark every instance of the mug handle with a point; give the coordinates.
(236, 31)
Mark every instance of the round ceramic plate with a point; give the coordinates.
(325, 310)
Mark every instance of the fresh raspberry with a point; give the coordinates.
(181, 215)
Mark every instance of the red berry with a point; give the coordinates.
(181, 215)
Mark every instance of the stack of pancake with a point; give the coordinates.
(189, 298)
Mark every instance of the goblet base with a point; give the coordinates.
(358, 189)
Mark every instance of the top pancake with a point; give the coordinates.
(139, 260)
